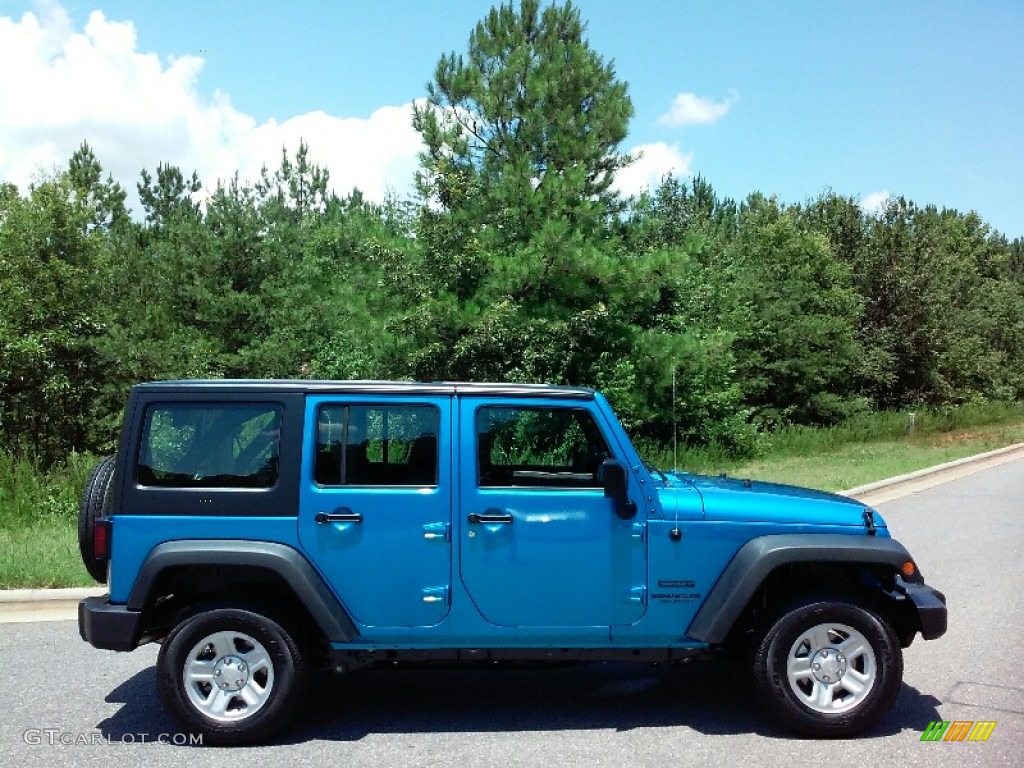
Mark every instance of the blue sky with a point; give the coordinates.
(920, 99)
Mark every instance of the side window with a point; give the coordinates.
(210, 445)
(377, 445)
(539, 447)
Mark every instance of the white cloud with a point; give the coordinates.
(137, 111)
(874, 203)
(691, 109)
(653, 162)
(376, 154)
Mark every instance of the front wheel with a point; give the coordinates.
(231, 675)
(828, 667)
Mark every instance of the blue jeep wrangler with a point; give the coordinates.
(266, 532)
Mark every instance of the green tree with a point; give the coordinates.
(53, 274)
(522, 137)
(165, 280)
(846, 226)
(526, 127)
(678, 213)
(795, 314)
(981, 322)
(332, 304)
(297, 189)
(911, 279)
(168, 197)
(104, 199)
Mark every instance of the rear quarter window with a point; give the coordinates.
(215, 445)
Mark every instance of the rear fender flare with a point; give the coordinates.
(287, 562)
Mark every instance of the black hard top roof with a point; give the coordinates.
(373, 387)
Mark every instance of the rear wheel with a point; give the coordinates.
(232, 675)
(828, 667)
(95, 503)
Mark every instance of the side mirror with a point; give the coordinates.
(615, 480)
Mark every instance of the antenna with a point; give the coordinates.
(675, 534)
(675, 427)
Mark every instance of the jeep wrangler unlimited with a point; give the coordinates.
(264, 532)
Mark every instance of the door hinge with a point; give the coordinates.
(437, 595)
(636, 595)
(638, 531)
(436, 531)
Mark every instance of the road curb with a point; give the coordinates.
(63, 602)
(950, 467)
(18, 606)
(10, 597)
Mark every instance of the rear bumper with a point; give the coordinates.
(930, 605)
(108, 626)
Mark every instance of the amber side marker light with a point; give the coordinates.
(908, 568)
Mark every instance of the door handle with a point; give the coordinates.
(489, 516)
(340, 515)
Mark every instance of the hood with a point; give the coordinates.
(738, 500)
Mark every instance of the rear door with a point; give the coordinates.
(376, 504)
(541, 545)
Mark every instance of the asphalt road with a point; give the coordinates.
(65, 703)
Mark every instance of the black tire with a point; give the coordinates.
(841, 711)
(95, 504)
(284, 682)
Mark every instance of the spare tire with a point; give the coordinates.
(95, 504)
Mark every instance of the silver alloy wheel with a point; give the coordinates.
(228, 676)
(831, 668)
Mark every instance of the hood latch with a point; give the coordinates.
(869, 521)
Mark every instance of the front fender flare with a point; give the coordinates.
(760, 556)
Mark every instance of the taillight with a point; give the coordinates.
(103, 532)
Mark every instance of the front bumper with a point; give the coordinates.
(105, 625)
(930, 605)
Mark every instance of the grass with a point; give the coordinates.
(42, 555)
(39, 523)
(853, 465)
(865, 449)
(38, 512)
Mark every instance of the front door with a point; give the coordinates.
(541, 544)
(376, 503)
